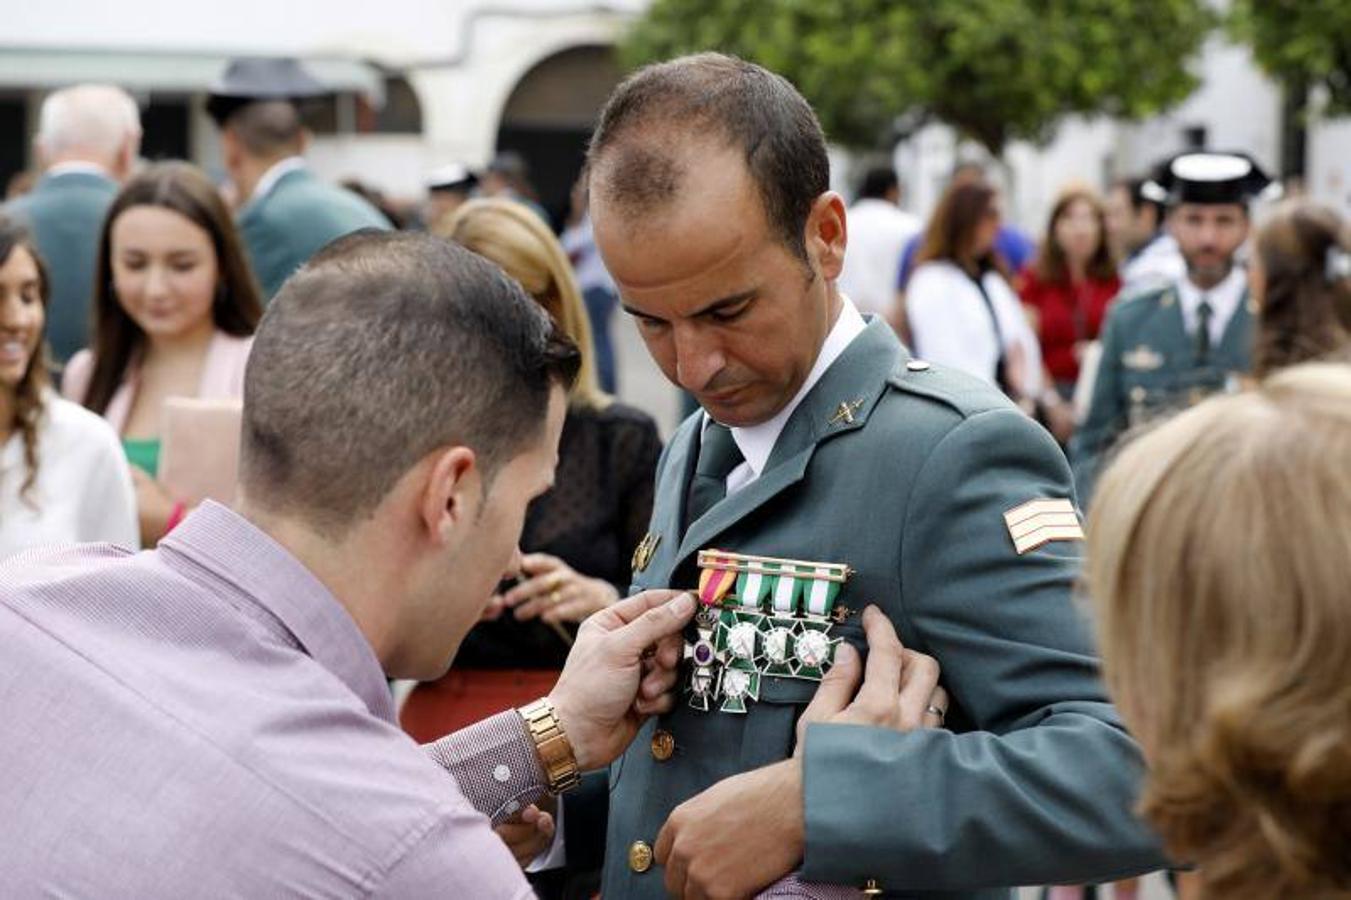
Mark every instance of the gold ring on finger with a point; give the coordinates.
(555, 597)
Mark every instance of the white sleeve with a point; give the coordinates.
(934, 306)
(108, 507)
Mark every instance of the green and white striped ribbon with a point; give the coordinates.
(821, 594)
(751, 588)
(786, 590)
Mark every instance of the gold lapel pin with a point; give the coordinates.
(642, 554)
(845, 412)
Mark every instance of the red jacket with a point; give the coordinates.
(1067, 315)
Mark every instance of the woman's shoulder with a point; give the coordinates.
(69, 426)
(619, 424)
(76, 375)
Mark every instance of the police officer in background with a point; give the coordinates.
(1172, 346)
(286, 212)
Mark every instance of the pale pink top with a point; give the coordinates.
(222, 377)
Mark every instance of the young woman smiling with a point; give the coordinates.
(175, 304)
(61, 473)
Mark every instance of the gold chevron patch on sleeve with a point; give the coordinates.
(1039, 522)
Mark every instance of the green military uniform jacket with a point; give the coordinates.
(65, 214)
(287, 225)
(1149, 368)
(1035, 781)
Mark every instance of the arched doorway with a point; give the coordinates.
(550, 114)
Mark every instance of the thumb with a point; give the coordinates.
(838, 687)
(655, 624)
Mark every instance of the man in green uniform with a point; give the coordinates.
(286, 213)
(821, 439)
(1172, 346)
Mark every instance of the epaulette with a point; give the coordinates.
(965, 394)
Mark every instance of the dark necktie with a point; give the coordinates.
(1204, 312)
(718, 456)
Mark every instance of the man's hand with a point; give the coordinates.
(620, 671)
(899, 692)
(530, 832)
(747, 831)
(738, 836)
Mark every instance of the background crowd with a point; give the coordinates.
(129, 292)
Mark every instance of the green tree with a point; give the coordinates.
(1303, 45)
(996, 70)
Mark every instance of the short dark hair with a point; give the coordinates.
(877, 182)
(237, 306)
(382, 348)
(755, 110)
(267, 128)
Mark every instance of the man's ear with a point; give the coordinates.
(452, 492)
(827, 234)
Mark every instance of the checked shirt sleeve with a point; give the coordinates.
(494, 763)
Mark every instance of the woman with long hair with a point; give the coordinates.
(1217, 562)
(62, 477)
(175, 305)
(1300, 278)
(959, 307)
(1071, 283)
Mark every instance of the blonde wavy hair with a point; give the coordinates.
(1219, 547)
(514, 237)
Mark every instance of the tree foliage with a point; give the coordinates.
(1301, 43)
(996, 70)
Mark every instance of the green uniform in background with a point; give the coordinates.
(1151, 367)
(301, 213)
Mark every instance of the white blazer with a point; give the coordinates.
(950, 323)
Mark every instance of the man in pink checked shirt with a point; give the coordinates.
(211, 718)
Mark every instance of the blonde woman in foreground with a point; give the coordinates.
(1218, 553)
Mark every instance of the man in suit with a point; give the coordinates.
(88, 139)
(821, 439)
(286, 213)
(1174, 345)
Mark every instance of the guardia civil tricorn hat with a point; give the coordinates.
(1200, 177)
(255, 78)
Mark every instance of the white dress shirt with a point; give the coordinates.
(756, 442)
(1224, 300)
(878, 232)
(83, 491)
(950, 323)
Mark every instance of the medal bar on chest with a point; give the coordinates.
(760, 616)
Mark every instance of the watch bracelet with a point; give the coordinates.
(552, 747)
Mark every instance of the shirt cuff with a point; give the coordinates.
(794, 886)
(495, 764)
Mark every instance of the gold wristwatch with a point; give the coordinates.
(551, 745)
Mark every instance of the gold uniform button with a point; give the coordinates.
(640, 856)
(663, 745)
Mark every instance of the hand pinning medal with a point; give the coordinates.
(760, 616)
